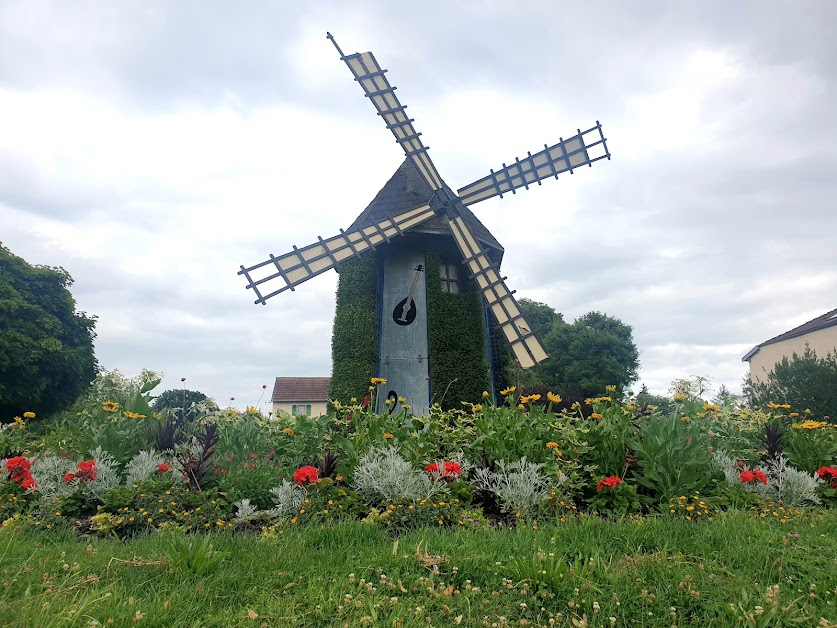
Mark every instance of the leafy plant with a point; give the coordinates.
(519, 485)
(384, 475)
(193, 555)
(674, 458)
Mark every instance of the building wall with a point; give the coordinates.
(318, 408)
(822, 341)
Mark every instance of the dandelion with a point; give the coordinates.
(110, 406)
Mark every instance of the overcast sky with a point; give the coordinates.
(152, 147)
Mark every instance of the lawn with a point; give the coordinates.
(739, 569)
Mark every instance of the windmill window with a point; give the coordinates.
(450, 278)
(298, 410)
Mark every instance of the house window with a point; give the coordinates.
(450, 278)
(298, 410)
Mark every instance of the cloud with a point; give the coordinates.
(152, 149)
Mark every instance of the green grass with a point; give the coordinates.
(711, 573)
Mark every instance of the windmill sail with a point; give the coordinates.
(373, 80)
(525, 345)
(302, 264)
(582, 149)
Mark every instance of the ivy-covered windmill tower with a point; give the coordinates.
(420, 300)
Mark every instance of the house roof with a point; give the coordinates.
(301, 389)
(829, 319)
(407, 189)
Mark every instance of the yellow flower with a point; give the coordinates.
(19, 422)
(29, 415)
(388, 436)
(485, 394)
(792, 414)
(378, 380)
(530, 398)
(552, 445)
(508, 390)
(576, 405)
(476, 408)
(610, 389)
(520, 406)
(110, 406)
(809, 425)
(219, 523)
(402, 399)
(679, 396)
(132, 415)
(406, 407)
(595, 415)
(553, 397)
(712, 407)
(288, 431)
(686, 419)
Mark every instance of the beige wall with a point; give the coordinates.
(318, 408)
(821, 341)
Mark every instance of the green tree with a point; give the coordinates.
(595, 351)
(46, 347)
(804, 381)
(180, 398)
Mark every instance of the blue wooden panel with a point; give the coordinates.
(404, 344)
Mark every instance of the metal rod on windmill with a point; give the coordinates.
(475, 244)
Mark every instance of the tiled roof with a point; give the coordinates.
(301, 389)
(405, 190)
(829, 319)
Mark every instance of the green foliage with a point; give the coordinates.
(674, 458)
(458, 366)
(586, 356)
(46, 347)
(251, 478)
(645, 399)
(400, 515)
(195, 556)
(803, 381)
(620, 500)
(182, 400)
(354, 343)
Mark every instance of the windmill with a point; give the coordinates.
(414, 205)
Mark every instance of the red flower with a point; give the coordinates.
(825, 473)
(452, 469)
(306, 474)
(366, 401)
(740, 464)
(18, 464)
(69, 477)
(448, 471)
(609, 482)
(28, 482)
(751, 477)
(86, 465)
(163, 468)
(254, 456)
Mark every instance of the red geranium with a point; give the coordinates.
(448, 471)
(751, 477)
(164, 467)
(825, 473)
(84, 473)
(609, 482)
(18, 468)
(306, 474)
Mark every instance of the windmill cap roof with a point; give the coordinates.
(407, 189)
(829, 319)
(301, 389)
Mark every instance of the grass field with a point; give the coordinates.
(738, 569)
